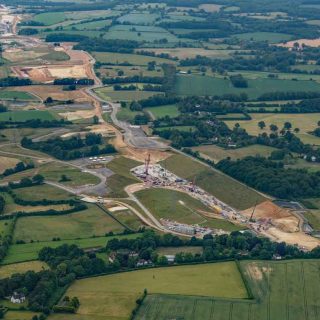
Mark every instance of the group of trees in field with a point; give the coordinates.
(71, 148)
(14, 82)
(34, 123)
(20, 166)
(272, 178)
(133, 79)
(73, 81)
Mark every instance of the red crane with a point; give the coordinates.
(147, 164)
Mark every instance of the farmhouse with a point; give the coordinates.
(18, 298)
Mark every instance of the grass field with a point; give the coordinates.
(134, 59)
(305, 122)
(56, 56)
(125, 114)
(43, 191)
(107, 93)
(179, 128)
(6, 163)
(313, 217)
(162, 111)
(50, 18)
(282, 290)
(53, 172)
(17, 95)
(22, 115)
(10, 269)
(113, 297)
(138, 18)
(19, 315)
(223, 187)
(11, 207)
(122, 177)
(180, 207)
(84, 224)
(271, 37)
(26, 252)
(204, 85)
(216, 153)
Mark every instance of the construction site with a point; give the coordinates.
(267, 218)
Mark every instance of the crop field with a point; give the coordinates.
(122, 177)
(17, 95)
(204, 85)
(180, 207)
(305, 122)
(22, 115)
(10, 269)
(271, 37)
(134, 59)
(162, 111)
(83, 224)
(282, 290)
(222, 186)
(29, 251)
(113, 296)
(216, 153)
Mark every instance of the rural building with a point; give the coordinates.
(18, 298)
(170, 258)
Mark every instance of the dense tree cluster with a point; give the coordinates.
(73, 81)
(20, 166)
(272, 178)
(14, 82)
(71, 148)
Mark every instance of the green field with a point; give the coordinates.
(138, 18)
(204, 85)
(53, 172)
(56, 56)
(134, 59)
(180, 207)
(22, 115)
(43, 191)
(10, 269)
(113, 297)
(122, 177)
(83, 224)
(305, 122)
(50, 18)
(27, 252)
(216, 153)
(16, 95)
(107, 93)
(179, 128)
(162, 111)
(125, 114)
(223, 187)
(271, 37)
(11, 207)
(93, 25)
(282, 290)
(19, 315)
